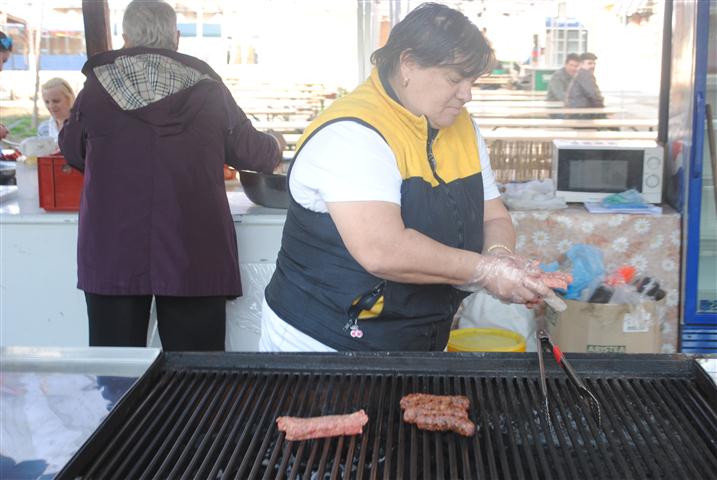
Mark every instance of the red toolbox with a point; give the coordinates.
(60, 185)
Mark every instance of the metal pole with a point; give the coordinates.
(36, 42)
(363, 16)
(665, 72)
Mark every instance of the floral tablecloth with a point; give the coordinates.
(649, 243)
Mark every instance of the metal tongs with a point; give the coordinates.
(545, 340)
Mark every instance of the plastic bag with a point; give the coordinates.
(627, 199)
(38, 146)
(587, 267)
(532, 195)
(244, 313)
(482, 310)
(243, 325)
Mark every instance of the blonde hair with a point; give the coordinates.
(61, 83)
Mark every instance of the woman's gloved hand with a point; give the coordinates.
(531, 266)
(532, 269)
(508, 278)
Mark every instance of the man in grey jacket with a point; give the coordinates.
(560, 80)
(583, 91)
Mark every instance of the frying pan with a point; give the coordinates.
(7, 173)
(265, 189)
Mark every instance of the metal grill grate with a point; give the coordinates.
(217, 423)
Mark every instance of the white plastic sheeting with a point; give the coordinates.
(243, 314)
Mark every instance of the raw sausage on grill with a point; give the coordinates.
(321, 427)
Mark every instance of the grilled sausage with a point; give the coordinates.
(438, 412)
(435, 401)
(443, 423)
(414, 414)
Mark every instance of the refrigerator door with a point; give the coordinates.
(699, 332)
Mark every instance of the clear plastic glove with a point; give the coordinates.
(506, 279)
(531, 266)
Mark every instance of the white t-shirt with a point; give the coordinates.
(343, 162)
(348, 162)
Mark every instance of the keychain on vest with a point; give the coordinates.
(352, 325)
(353, 328)
(365, 302)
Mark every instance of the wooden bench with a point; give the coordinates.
(265, 101)
(633, 123)
(298, 125)
(537, 134)
(493, 80)
(291, 139)
(508, 92)
(282, 126)
(484, 110)
(272, 114)
(502, 102)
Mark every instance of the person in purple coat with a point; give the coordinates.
(152, 130)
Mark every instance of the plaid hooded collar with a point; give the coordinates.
(135, 80)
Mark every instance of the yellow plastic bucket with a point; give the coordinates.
(485, 340)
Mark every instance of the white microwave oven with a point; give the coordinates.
(588, 171)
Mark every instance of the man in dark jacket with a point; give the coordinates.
(152, 130)
(560, 80)
(583, 91)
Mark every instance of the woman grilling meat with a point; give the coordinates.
(394, 204)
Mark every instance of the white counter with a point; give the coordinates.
(53, 400)
(40, 304)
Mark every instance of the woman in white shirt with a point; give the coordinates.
(394, 210)
(58, 97)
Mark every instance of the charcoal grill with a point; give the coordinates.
(213, 416)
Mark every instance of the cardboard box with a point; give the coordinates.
(608, 328)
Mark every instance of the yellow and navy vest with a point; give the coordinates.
(321, 290)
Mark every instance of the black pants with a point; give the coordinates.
(184, 323)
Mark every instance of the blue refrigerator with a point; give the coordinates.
(691, 155)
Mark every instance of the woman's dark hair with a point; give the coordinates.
(436, 35)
